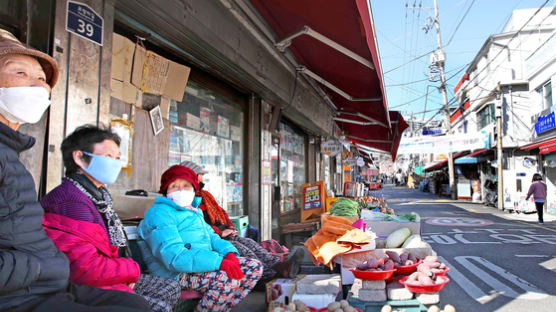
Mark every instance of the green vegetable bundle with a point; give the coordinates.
(345, 207)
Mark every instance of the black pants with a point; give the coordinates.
(540, 207)
(87, 298)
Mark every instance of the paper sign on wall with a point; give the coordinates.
(313, 196)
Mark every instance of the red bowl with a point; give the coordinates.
(326, 309)
(424, 289)
(373, 275)
(443, 273)
(407, 268)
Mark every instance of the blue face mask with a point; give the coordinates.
(103, 168)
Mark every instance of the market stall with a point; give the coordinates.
(382, 262)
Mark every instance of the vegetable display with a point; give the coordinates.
(403, 259)
(345, 207)
(397, 238)
(372, 264)
(426, 273)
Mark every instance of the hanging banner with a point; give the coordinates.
(331, 148)
(445, 143)
(350, 161)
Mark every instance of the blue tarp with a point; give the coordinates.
(467, 160)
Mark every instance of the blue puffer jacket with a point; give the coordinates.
(174, 239)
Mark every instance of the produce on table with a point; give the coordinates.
(372, 264)
(342, 306)
(413, 241)
(403, 259)
(397, 238)
(345, 207)
(426, 272)
(447, 308)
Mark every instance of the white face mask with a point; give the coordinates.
(183, 198)
(23, 104)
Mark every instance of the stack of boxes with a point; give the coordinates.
(318, 290)
(137, 72)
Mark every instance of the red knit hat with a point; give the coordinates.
(178, 172)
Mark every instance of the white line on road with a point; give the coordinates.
(466, 285)
(532, 256)
(532, 292)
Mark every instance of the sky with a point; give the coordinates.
(465, 25)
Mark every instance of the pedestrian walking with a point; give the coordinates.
(538, 190)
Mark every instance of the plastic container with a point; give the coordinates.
(373, 275)
(422, 288)
(401, 269)
(443, 273)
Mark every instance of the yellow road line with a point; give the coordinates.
(473, 210)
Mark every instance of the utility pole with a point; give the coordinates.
(499, 172)
(441, 61)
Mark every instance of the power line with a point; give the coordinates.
(459, 24)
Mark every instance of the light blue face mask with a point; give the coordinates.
(103, 168)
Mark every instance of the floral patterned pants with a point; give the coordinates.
(251, 249)
(221, 293)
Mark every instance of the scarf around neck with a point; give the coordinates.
(103, 202)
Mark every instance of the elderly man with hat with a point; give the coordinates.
(177, 243)
(33, 273)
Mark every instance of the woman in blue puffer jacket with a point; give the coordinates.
(177, 243)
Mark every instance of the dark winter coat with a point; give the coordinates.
(30, 264)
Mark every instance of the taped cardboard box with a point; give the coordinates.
(278, 289)
(139, 57)
(155, 72)
(122, 58)
(125, 92)
(176, 81)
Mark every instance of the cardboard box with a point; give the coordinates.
(125, 92)
(165, 107)
(122, 57)
(139, 57)
(176, 81)
(284, 287)
(155, 72)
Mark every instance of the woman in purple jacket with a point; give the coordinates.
(538, 190)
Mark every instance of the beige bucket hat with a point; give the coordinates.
(10, 45)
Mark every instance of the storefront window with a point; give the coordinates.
(207, 128)
(486, 116)
(292, 167)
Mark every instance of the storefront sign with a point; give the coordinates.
(545, 123)
(84, 22)
(432, 132)
(331, 148)
(360, 162)
(549, 149)
(313, 196)
(445, 143)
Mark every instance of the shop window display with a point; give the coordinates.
(207, 128)
(292, 167)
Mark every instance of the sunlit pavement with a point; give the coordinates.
(499, 261)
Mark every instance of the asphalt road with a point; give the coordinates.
(499, 262)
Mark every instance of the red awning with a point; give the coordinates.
(442, 164)
(541, 144)
(475, 153)
(376, 136)
(335, 45)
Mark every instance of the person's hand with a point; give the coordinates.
(131, 285)
(229, 232)
(232, 257)
(232, 269)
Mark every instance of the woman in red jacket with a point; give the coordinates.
(82, 223)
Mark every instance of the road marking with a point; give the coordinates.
(549, 264)
(465, 284)
(473, 210)
(532, 292)
(458, 221)
(536, 225)
(532, 256)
